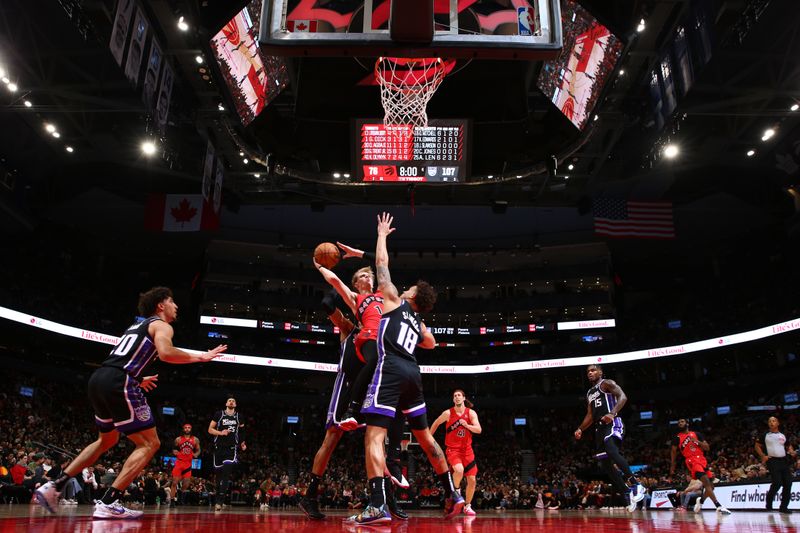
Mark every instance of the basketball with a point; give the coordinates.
(327, 254)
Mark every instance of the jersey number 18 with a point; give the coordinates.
(407, 338)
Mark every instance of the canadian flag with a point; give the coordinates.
(179, 212)
(309, 26)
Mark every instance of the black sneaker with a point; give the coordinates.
(391, 504)
(311, 508)
(784, 510)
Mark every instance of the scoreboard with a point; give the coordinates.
(435, 153)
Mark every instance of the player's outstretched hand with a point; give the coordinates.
(149, 383)
(213, 354)
(385, 224)
(578, 434)
(349, 251)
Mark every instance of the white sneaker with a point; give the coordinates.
(114, 510)
(47, 496)
(218, 507)
(698, 506)
(468, 510)
(638, 492)
(723, 510)
(348, 424)
(632, 504)
(402, 482)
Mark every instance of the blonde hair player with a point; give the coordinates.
(462, 422)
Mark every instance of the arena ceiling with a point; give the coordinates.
(60, 60)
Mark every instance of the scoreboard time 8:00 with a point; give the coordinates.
(436, 152)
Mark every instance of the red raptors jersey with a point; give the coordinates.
(185, 449)
(457, 435)
(686, 445)
(369, 308)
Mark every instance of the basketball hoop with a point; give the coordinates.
(407, 85)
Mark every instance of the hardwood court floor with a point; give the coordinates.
(19, 518)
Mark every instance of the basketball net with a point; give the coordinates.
(407, 85)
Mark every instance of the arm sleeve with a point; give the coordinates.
(329, 301)
(369, 256)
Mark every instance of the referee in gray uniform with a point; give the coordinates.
(777, 463)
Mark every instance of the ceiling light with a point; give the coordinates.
(751, 153)
(148, 147)
(794, 107)
(2, 71)
(245, 161)
(198, 60)
(28, 103)
(571, 166)
(346, 175)
(595, 117)
(50, 128)
(6, 80)
(12, 87)
(337, 175)
(670, 151)
(221, 107)
(566, 177)
(622, 72)
(182, 25)
(490, 176)
(257, 175)
(768, 134)
(56, 134)
(70, 149)
(640, 28)
(241, 154)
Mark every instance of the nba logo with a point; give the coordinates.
(524, 21)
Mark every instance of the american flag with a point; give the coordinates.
(621, 218)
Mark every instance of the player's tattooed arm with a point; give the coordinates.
(382, 275)
(611, 386)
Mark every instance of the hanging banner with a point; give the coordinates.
(136, 51)
(164, 98)
(217, 203)
(151, 74)
(119, 34)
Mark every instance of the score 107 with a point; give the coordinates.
(410, 173)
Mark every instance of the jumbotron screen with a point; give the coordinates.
(253, 78)
(435, 153)
(574, 81)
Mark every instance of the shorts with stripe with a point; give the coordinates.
(182, 469)
(396, 386)
(603, 432)
(464, 457)
(342, 388)
(118, 402)
(225, 454)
